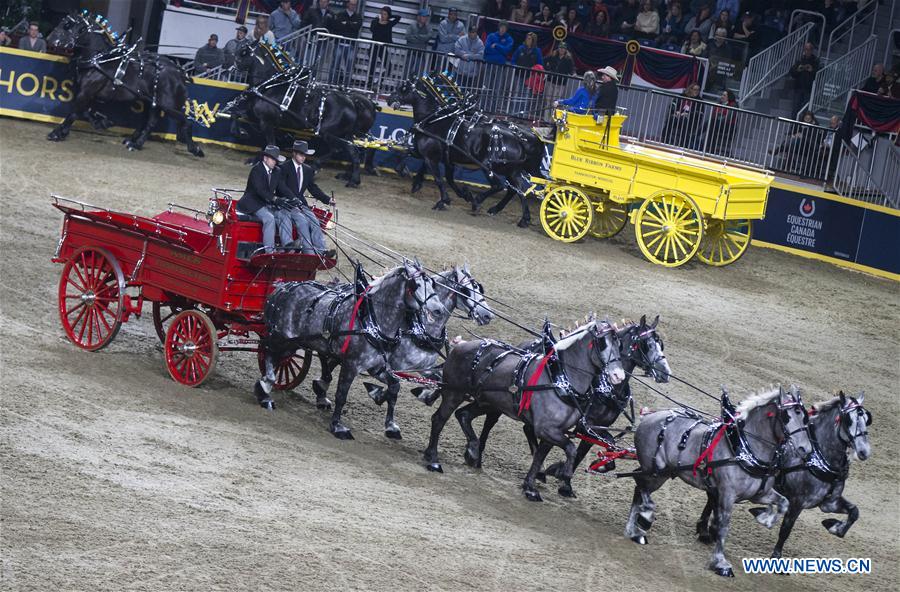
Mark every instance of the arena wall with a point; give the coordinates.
(802, 221)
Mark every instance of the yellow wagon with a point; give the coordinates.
(690, 206)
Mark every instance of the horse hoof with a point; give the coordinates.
(566, 492)
(199, 153)
(393, 434)
(373, 172)
(352, 184)
(492, 212)
(756, 511)
(323, 405)
(725, 572)
(523, 224)
(267, 404)
(342, 176)
(403, 172)
(833, 526)
(415, 189)
(533, 496)
(439, 206)
(640, 539)
(471, 460)
(435, 468)
(341, 433)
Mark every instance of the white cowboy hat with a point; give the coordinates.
(609, 71)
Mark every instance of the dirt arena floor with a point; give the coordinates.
(116, 478)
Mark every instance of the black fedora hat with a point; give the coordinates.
(273, 152)
(302, 147)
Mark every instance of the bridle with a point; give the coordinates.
(468, 288)
(637, 347)
(843, 421)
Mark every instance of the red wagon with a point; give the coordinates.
(203, 272)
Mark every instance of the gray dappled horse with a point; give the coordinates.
(737, 459)
(108, 73)
(420, 344)
(640, 346)
(357, 324)
(817, 480)
(529, 388)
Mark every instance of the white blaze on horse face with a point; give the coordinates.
(859, 435)
(797, 420)
(614, 368)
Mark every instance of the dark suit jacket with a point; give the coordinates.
(260, 189)
(289, 186)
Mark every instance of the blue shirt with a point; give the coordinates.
(580, 102)
(496, 48)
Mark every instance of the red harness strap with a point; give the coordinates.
(525, 401)
(356, 306)
(707, 454)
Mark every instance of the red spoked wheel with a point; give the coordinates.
(163, 313)
(91, 298)
(190, 348)
(290, 371)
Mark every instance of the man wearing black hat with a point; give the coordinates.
(209, 56)
(233, 48)
(295, 179)
(259, 198)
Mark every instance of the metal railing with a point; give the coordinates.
(887, 60)
(796, 20)
(837, 78)
(854, 180)
(771, 64)
(848, 28)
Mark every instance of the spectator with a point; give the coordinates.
(5, 40)
(583, 11)
(647, 24)
(521, 14)
(497, 9)
(420, 34)
(746, 31)
(719, 48)
(382, 28)
(701, 21)
(319, 17)
(284, 20)
(233, 48)
(528, 54)
(871, 84)
(573, 25)
(890, 87)
(694, 45)
(210, 55)
(804, 73)
(627, 17)
(450, 29)
(722, 125)
(545, 18)
(683, 121)
(584, 97)
(672, 26)
(829, 10)
(798, 150)
(600, 6)
(829, 151)
(599, 27)
(732, 7)
(261, 30)
(498, 45)
(346, 23)
(470, 50)
(535, 85)
(559, 65)
(33, 41)
(718, 51)
(723, 21)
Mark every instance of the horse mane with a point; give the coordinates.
(572, 335)
(824, 406)
(378, 282)
(758, 399)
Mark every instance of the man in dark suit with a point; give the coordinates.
(295, 180)
(259, 198)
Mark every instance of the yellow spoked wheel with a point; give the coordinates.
(609, 218)
(669, 227)
(724, 241)
(566, 213)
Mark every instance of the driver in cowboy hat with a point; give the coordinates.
(295, 179)
(608, 91)
(259, 198)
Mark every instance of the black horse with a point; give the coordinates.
(453, 132)
(108, 70)
(282, 95)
